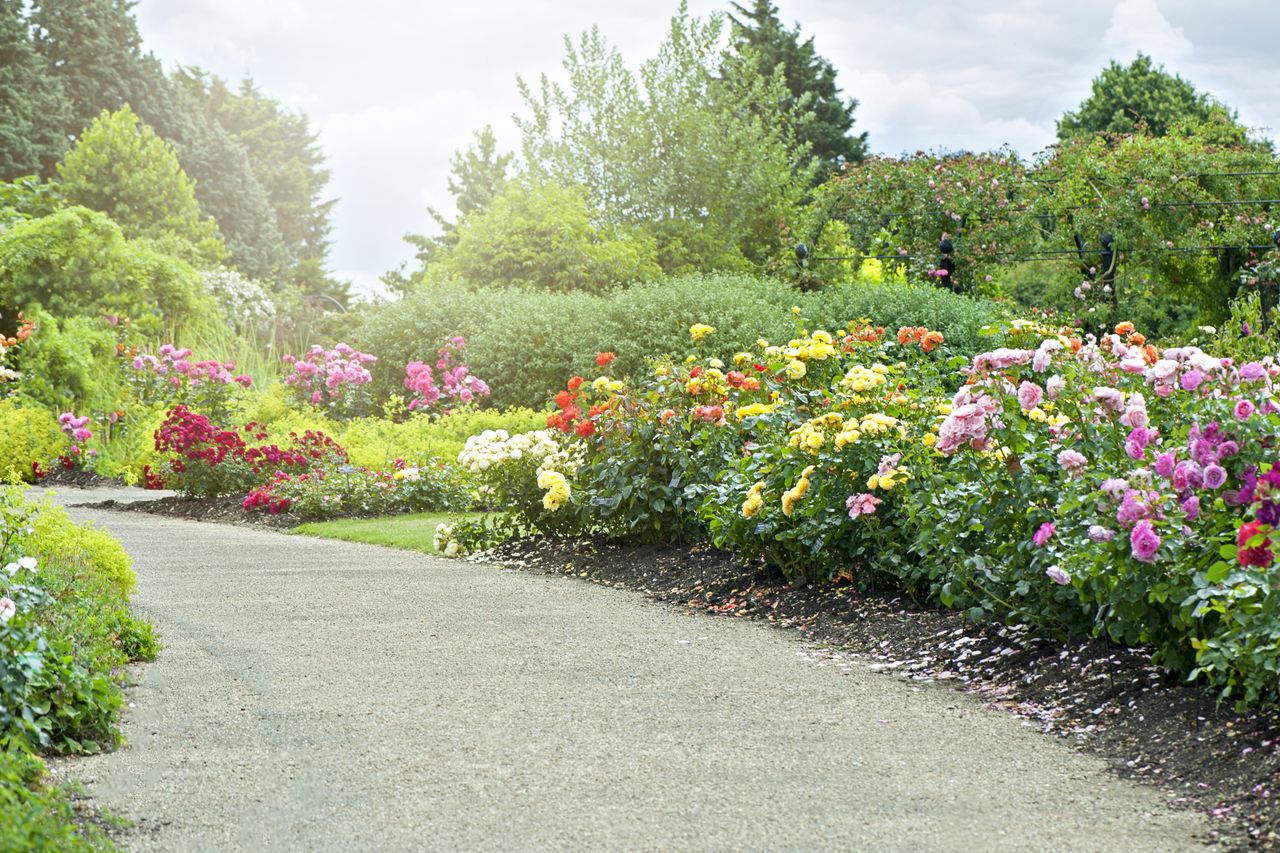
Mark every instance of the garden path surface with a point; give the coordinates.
(319, 695)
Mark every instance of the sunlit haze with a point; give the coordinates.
(395, 87)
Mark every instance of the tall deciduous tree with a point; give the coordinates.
(476, 176)
(541, 235)
(1141, 93)
(708, 165)
(761, 41)
(121, 168)
(34, 110)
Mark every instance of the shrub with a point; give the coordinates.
(172, 377)
(63, 630)
(206, 460)
(36, 816)
(57, 540)
(338, 488)
(333, 379)
(893, 305)
(29, 435)
(566, 331)
(542, 236)
(70, 363)
(76, 262)
(1080, 485)
(378, 442)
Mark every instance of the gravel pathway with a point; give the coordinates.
(317, 695)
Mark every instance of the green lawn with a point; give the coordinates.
(414, 532)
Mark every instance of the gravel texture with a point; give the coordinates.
(320, 695)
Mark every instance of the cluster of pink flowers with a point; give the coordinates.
(76, 429)
(973, 414)
(456, 380)
(327, 375)
(176, 367)
(1173, 483)
(864, 503)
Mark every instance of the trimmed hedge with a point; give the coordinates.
(526, 343)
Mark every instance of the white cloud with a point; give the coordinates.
(394, 88)
(1139, 25)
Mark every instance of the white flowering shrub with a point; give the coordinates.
(243, 300)
(527, 476)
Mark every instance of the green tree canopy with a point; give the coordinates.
(226, 185)
(708, 165)
(541, 235)
(284, 153)
(763, 42)
(121, 168)
(34, 110)
(94, 48)
(77, 262)
(1125, 97)
(475, 178)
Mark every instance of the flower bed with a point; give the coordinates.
(1083, 486)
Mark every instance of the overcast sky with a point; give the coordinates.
(394, 87)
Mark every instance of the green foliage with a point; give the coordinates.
(1184, 211)
(28, 433)
(903, 208)
(1138, 96)
(378, 442)
(476, 176)
(77, 262)
(895, 304)
(763, 43)
(566, 331)
(120, 167)
(541, 236)
(70, 364)
(1180, 207)
(82, 549)
(94, 49)
(131, 447)
(68, 633)
(330, 490)
(285, 157)
(226, 186)
(33, 106)
(707, 164)
(27, 198)
(35, 816)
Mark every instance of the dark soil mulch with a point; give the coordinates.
(228, 510)
(77, 479)
(1108, 700)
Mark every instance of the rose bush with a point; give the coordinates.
(1083, 485)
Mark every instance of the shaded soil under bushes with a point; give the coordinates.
(1108, 700)
(77, 479)
(227, 510)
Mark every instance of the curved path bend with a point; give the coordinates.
(316, 695)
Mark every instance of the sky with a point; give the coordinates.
(395, 87)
